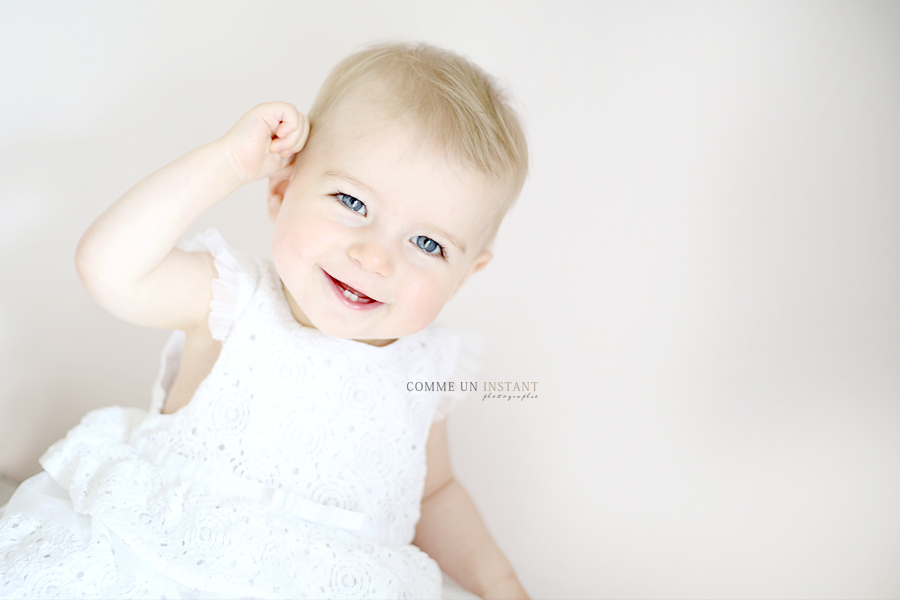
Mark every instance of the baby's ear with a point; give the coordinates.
(278, 183)
(480, 262)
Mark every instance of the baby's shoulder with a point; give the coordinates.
(449, 364)
(447, 348)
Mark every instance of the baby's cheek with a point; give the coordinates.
(304, 239)
(428, 297)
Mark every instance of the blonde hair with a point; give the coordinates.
(450, 99)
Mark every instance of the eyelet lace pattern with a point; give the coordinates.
(296, 470)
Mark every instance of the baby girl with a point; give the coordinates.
(284, 454)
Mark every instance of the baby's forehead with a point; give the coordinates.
(371, 107)
(363, 123)
(364, 129)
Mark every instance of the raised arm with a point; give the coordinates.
(127, 260)
(452, 532)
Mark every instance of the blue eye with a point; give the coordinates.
(352, 203)
(428, 245)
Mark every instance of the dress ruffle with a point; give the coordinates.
(229, 293)
(230, 544)
(464, 362)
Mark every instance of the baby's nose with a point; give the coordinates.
(372, 256)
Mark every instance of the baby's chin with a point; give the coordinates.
(375, 336)
(365, 336)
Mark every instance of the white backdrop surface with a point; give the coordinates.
(702, 273)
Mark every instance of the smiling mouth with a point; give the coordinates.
(351, 294)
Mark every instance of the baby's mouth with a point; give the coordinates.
(351, 294)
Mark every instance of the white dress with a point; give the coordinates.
(296, 470)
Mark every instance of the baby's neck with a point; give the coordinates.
(376, 342)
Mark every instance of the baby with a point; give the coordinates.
(284, 455)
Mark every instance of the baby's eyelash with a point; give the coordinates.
(424, 243)
(354, 204)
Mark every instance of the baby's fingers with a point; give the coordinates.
(285, 122)
(294, 140)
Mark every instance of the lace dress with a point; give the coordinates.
(296, 470)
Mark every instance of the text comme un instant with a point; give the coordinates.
(472, 386)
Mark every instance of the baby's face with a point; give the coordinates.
(376, 231)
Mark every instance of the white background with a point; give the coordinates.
(703, 271)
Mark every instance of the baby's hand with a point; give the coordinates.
(264, 140)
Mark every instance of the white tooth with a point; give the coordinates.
(351, 295)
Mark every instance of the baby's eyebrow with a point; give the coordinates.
(453, 240)
(350, 180)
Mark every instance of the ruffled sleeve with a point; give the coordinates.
(460, 364)
(232, 290)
